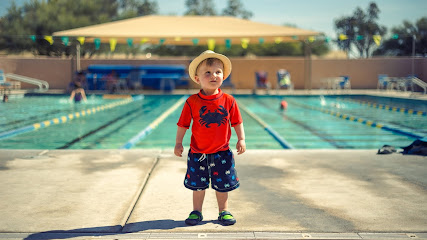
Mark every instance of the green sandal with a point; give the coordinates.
(194, 218)
(226, 218)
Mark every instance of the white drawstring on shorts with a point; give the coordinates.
(203, 157)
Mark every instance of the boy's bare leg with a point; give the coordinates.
(222, 199)
(198, 197)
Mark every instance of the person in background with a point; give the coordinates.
(5, 98)
(283, 105)
(78, 93)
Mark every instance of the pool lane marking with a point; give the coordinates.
(267, 128)
(362, 121)
(27, 119)
(80, 138)
(65, 118)
(387, 107)
(141, 135)
(324, 136)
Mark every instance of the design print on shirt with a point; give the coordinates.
(219, 116)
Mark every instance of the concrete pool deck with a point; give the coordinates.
(284, 194)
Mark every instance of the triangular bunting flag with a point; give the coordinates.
(377, 39)
(81, 40)
(211, 44)
(97, 42)
(228, 43)
(244, 43)
(49, 39)
(113, 43)
(144, 40)
(65, 40)
(130, 42)
(342, 37)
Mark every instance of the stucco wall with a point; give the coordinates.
(362, 72)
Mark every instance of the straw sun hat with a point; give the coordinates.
(209, 54)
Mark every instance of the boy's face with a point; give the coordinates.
(210, 77)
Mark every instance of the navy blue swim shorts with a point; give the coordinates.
(217, 168)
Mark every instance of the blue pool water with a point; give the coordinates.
(310, 122)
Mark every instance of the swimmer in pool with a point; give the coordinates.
(283, 105)
(78, 93)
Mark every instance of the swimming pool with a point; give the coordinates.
(310, 122)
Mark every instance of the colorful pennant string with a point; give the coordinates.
(210, 42)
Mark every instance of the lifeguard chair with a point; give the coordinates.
(284, 80)
(261, 81)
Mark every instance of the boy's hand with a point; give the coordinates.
(178, 149)
(241, 146)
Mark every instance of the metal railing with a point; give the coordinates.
(420, 83)
(43, 85)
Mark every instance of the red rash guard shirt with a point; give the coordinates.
(212, 116)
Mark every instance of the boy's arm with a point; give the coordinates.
(241, 144)
(178, 142)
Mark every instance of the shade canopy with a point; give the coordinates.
(188, 30)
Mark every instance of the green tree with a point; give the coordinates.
(401, 41)
(200, 8)
(40, 18)
(360, 29)
(136, 8)
(235, 8)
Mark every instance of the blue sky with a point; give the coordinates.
(317, 15)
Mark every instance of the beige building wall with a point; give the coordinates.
(363, 73)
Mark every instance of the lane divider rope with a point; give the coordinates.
(392, 109)
(141, 135)
(267, 128)
(65, 118)
(362, 121)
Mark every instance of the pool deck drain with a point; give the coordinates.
(284, 194)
